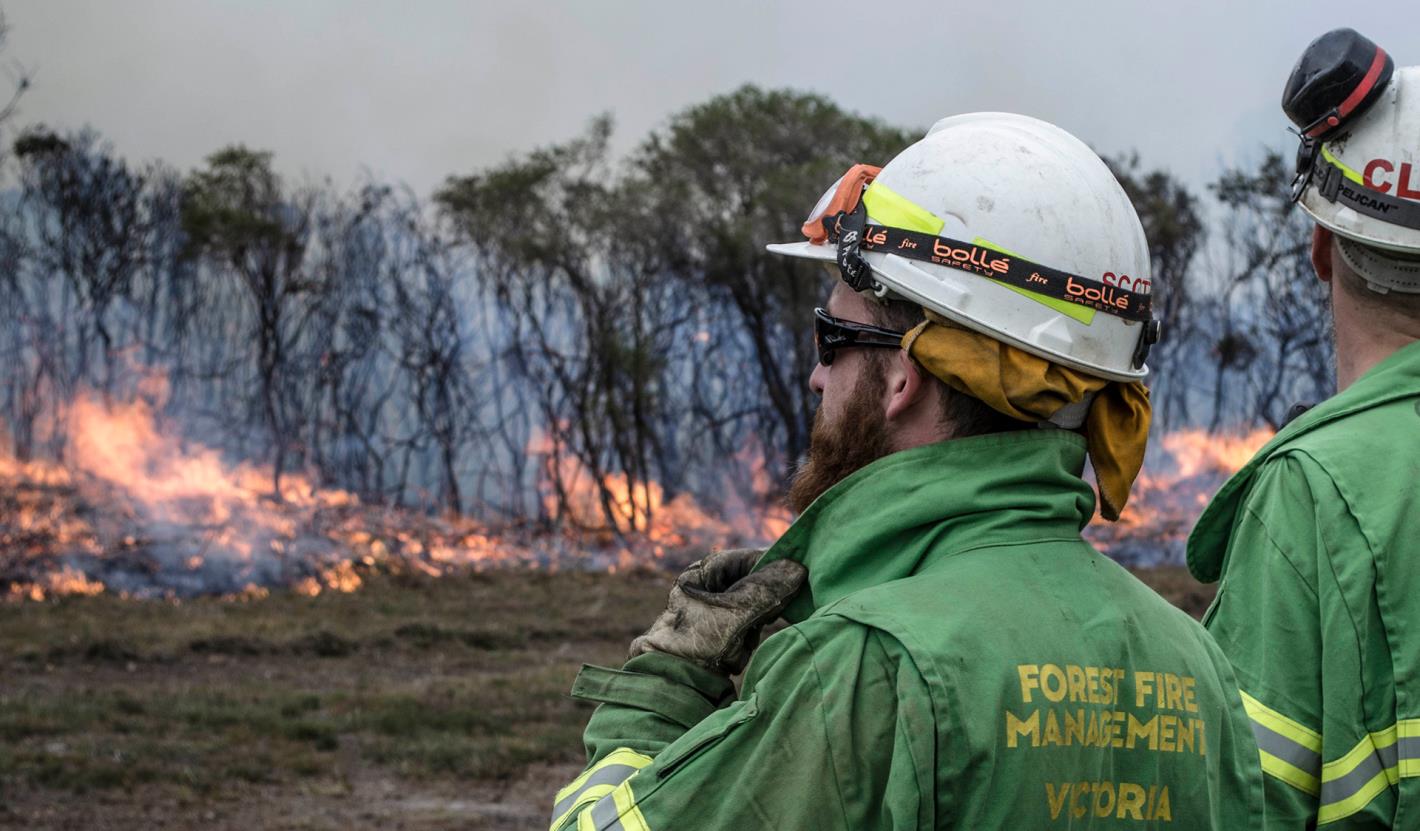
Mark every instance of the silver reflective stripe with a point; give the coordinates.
(1367, 769)
(1409, 748)
(609, 775)
(605, 816)
(1298, 756)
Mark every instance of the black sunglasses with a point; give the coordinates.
(831, 333)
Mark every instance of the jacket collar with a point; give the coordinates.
(905, 512)
(1396, 377)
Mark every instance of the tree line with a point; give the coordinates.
(565, 313)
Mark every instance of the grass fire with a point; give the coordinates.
(181, 644)
(315, 495)
(136, 510)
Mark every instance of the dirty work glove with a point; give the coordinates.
(717, 609)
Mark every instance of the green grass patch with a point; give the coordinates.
(450, 681)
(444, 680)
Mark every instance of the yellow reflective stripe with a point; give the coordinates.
(630, 816)
(576, 784)
(1359, 776)
(1408, 737)
(585, 822)
(619, 756)
(587, 797)
(1278, 723)
(1349, 783)
(1345, 171)
(888, 207)
(1364, 749)
(1294, 776)
(619, 765)
(1084, 314)
(1333, 811)
(617, 811)
(1377, 762)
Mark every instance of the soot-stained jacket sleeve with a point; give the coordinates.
(812, 742)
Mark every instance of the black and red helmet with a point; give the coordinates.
(1337, 78)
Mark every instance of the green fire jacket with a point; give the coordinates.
(960, 658)
(1317, 541)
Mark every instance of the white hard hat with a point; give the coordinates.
(1006, 225)
(1358, 169)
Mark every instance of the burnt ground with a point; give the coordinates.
(413, 703)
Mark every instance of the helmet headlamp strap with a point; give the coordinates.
(1153, 329)
(849, 228)
(1328, 182)
(853, 236)
(1307, 153)
(1335, 185)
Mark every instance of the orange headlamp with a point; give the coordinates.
(842, 199)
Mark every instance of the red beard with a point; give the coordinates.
(854, 440)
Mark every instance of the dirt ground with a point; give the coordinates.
(411, 704)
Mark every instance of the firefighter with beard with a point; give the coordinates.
(959, 657)
(1315, 538)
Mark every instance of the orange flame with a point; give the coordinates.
(134, 498)
(617, 505)
(131, 487)
(134, 502)
(1196, 452)
(1183, 473)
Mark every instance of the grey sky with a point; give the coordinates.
(416, 90)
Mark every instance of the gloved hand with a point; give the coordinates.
(717, 609)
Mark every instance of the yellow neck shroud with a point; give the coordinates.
(1029, 388)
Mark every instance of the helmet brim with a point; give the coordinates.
(804, 250)
(1347, 223)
